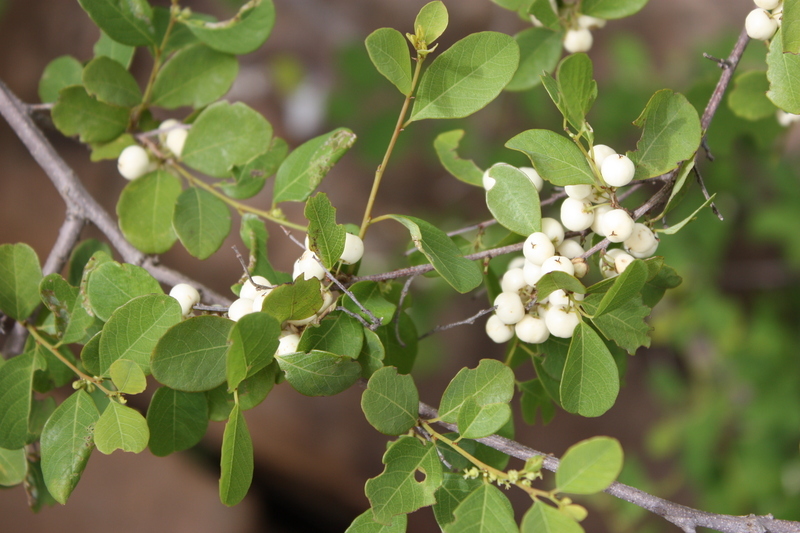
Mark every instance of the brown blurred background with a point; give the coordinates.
(312, 455)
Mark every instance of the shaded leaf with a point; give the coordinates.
(236, 463)
(540, 50)
(454, 489)
(13, 467)
(625, 325)
(590, 383)
(59, 73)
(77, 113)
(110, 82)
(177, 420)
(126, 21)
(195, 76)
(486, 509)
(108, 47)
(241, 34)
(446, 146)
(202, 222)
(20, 275)
(338, 334)
(145, 210)
(249, 179)
(325, 237)
(748, 98)
(365, 523)
(16, 380)
(252, 344)
(294, 301)
(542, 517)
(626, 287)
(319, 373)
(111, 285)
(72, 320)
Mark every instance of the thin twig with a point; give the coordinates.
(403, 294)
(356, 316)
(705, 192)
(467, 321)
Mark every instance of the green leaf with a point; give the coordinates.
(589, 466)
(59, 73)
(454, 489)
(625, 325)
(249, 179)
(544, 12)
(577, 89)
(540, 49)
(145, 210)
(111, 149)
(108, 47)
(391, 401)
(483, 394)
(202, 222)
(195, 76)
(365, 523)
(399, 354)
(319, 373)
(20, 275)
(590, 383)
(372, 354)
(431, 21)
(41, 410)
(252, 344)
(225, 135)
(16, 379)
(554, 157)
(111, 83)
(486, 509)
(177, 420)
(388, 51)
(236, 463)
(67, 442)
(514, 200)
(783, 73)
(535, 398)
(81, 255)
(90, 355)
(626, 286)
(338, 334)
(461, 273)
(127, 376)
(126, 21)
(396, 490)
(121, 428)
(112, 285)
(190, 356)
(77, 113)
(242, 34)
(251, 392)
(612, 9)
(13, 467)
(654, 289)
(72, 320)
(675, 228)
(293, 301)
(748, 98)
(790, 27)
(53, 371)
(558, 280)
(446, 146)
(326, 237)
(670, 134)
(302, 171)
(544, 518)
(253, 233)
(466, 77)
(371, 296)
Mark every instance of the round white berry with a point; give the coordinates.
(308, 267)
(498, 331)
(767, 4)
(617, 225)
(642, 241)
(579, 40)
(553, 229)
(509, 307)
(600, 152)
(532, 273)
(513, 280)
(534, 176)
(558, 263)
(578, 192)
(239, 308)
(599, 214)
(353, 249)
(561, 321)
(328, 302)
(589, 22)
(786, 119)
(576, 215)
(133, 162)
(558, 297)
(258, 299)
(760, 24)
(287, 344)
(538, 247)
(581, 267)
(187, 296)
(249, 290)
(622, 261)
(517, 262)
(570, 249)
(175, 140)
(599, 196)
(617, 170)
(607, 263)
(531, 329)
(488, 181)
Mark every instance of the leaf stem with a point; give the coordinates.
(389, 149)
(148, 90)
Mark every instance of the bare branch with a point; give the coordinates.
(466, 321)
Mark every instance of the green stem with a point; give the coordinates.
(157, 56)
(389, 149)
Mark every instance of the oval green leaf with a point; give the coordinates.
(514, 200)
(16, 380)
(108, 47)
(195, 76)
(127, 376)
(612, 9)
(490, 383)
(177, 420)
(486, 509)
(236, 463)
(145, 209)
(431, 22)
(242, 34)
(20, 275)
(112, 285)
(589, 466)
(388, 51)
(253, 341)
(554, 157)
(748, 99)
(202, 222)
(446, 146)
(542, 517)
(365, 523)
(59, 73)
(539, 49)
(110, 82)
(319, 373)
(77, 113)
(326, 238)
(338, 334)
(783, 73)
(121, 428)
(391, 401)
(128, 22)
(590, 382)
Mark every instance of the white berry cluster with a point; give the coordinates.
(134, 161)
(762, 22)
(519, 311)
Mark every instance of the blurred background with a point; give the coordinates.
(708, 417)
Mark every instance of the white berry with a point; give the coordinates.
(513, 280)
(599, 214)
(497, 331)
(589, 22)
(642, 243)
(576, 215)
(760, 24)
(581, 267)
(287, 344)
(622, 261)
(187, 296)
(786, 119)
(531, 329)
(239, 308)
(509, 307)
(767, 4)
(532, 273)
(579, 192)
(534, 176)
(517, 262)
(353, 249)
(258, 299)
(488, 181)
(553, 229)
(559, 297)
(561, 321)
(617, 170)
(600, 152)
(133, 162)
(617, 225)
(570, 249)
(175, 140)
(249, 290)
(579, 40)
(558, 263)
(308, 266)
(538, 247)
